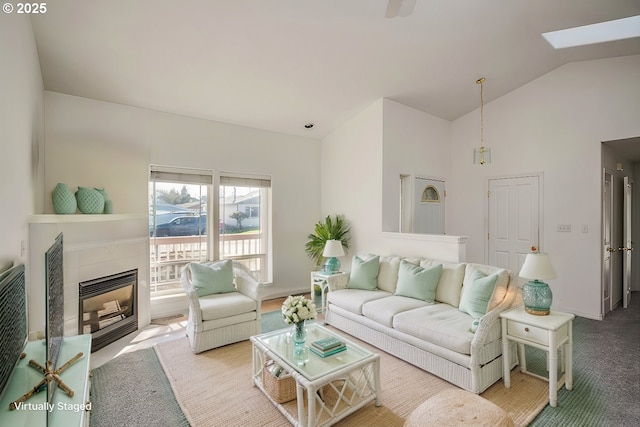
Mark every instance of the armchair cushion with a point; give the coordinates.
(212, 278)
(218, 306)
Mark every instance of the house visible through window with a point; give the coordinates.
(244, 222)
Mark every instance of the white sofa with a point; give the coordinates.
(436, 336)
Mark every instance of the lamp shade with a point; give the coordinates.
(333, 248)
(536, 295)
(537, 266)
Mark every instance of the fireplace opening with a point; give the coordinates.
(108, 308)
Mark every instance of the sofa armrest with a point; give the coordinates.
(489, 327)
(338, 282)
(247, 284)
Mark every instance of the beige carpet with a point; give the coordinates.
(215, 389)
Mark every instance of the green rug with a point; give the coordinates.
(132, 390)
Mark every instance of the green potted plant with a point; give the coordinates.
(330, 229)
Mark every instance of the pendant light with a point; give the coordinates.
(481, 155)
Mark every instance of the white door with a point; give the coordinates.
(628, 243)
(428, 214)
(514, 227)
(607, 215)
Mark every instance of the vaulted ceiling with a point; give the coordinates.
(279, 64)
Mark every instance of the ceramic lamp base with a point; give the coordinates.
(332, 265)
(537, 297)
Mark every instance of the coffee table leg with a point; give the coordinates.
(376, 380)
(302, 416)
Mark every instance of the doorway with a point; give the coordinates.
(607, 249)
(514, 206)
(422, 204)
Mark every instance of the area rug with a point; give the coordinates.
(133, 388)
(215, 389)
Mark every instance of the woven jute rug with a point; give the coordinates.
(215, 389)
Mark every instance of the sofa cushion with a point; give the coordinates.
(417, 282)
(450, 283)
(477, 294)
(353, 299)
(383, 310)
(364, 273)
(219, 306)
(388, 273)
(212, 277)
(439, 324)
(502, 283)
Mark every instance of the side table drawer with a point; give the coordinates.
(533, 333)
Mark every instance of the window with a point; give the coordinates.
(182, 212)
(178, 206)
(245, 223)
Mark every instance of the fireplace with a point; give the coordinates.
(108, 307)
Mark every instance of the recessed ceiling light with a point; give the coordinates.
(602, 32)
(309, 125)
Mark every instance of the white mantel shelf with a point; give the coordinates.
(76, 218)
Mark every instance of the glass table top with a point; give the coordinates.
(303, 360)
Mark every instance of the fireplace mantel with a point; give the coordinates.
(59, 219)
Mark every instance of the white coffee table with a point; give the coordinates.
(351, 376)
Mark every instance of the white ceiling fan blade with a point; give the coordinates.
(400, 8)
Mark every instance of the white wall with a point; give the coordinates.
(21, 135)
(554, 125)
(101, 144)
(414, 143)
(367, 154)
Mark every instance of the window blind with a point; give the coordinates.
(232, 180)
(187, 176)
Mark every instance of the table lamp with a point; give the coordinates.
(536, 294)
(332, 250)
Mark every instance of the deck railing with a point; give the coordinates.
(169, 254)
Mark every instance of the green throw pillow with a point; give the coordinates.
(212, 278)
(475, 298)
(417, 282)
(364, 274)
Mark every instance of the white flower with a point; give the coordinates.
(296, 309)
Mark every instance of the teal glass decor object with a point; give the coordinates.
(537, 297)
(90, 200)
(64, 201)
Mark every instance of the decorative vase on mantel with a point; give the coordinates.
(299, 333)
(64, 201)
(90, 200)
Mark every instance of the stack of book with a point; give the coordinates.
(327, 346)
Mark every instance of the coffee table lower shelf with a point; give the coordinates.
(325, 400)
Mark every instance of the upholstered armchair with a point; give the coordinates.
(224, 303)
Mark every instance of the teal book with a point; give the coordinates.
(327, 343)
(328, 352)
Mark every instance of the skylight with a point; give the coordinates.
(602, 32)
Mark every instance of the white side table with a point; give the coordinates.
(327, 281)
(549, 333)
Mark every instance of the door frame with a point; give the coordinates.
(604, 309)
(540, 176)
